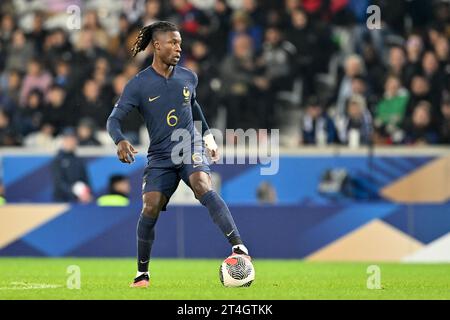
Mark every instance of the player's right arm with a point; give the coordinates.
(128, 100)
(197, 115)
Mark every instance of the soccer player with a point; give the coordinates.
(164, 94)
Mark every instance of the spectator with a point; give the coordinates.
(390, 111)
(445, 124)
(289, 7)
(397, 62)
(130, 70)
(7, 27)
(85, 55)
(442, 52)
(243, 86)
(57, 48)
(192, 22)
(70, 179)
(255, 12)
(119, 44)
(86, 131)
(32, 113)
(435, 77)
(9, 133)
(414, 48)
(102, 76)
(63, 74)
(206, 66)
(38, 33)
(42, 139)
(221, 26)
(200, 52)
(314, 48)
(9, 95)
(317, 127)
(359, 86)
(132, 10)
(355, 126)
(278, 56)
(206, 90)
(353, 67)
(419, 90)
(57, 112)
(91, 104)
(36, 78)
(432, 35)
(241, 23)
(419, 128)
(118, 193)
(375, 70)
(19, 52)
(91, 22)
(442, 14)
(152, 12)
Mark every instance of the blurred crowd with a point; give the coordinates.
(258, 62)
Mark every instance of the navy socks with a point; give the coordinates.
(219, 212)
(145, 236)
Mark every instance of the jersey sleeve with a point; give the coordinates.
(197, 113)
(127, 101)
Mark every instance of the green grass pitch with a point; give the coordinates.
(46, 278)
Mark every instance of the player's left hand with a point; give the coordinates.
(212, 147)
(215, 154)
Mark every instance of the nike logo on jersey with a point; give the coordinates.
(153, 99)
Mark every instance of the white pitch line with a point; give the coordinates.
(30, 286)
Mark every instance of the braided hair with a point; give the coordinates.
(146, 34)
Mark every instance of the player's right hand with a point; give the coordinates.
(126, 152)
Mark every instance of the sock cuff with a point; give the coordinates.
(205, 198)
(236, 240)
(140, 273)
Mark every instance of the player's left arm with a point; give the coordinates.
(197, 115)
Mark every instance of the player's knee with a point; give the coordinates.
(200, 188)
(151, 210)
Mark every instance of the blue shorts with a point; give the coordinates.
(165, 179)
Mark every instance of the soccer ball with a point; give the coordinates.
(237, 271)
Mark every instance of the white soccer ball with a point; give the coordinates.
(237, 271)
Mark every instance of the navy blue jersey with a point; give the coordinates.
(166, 104)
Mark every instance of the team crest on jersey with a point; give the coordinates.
(186, 95)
